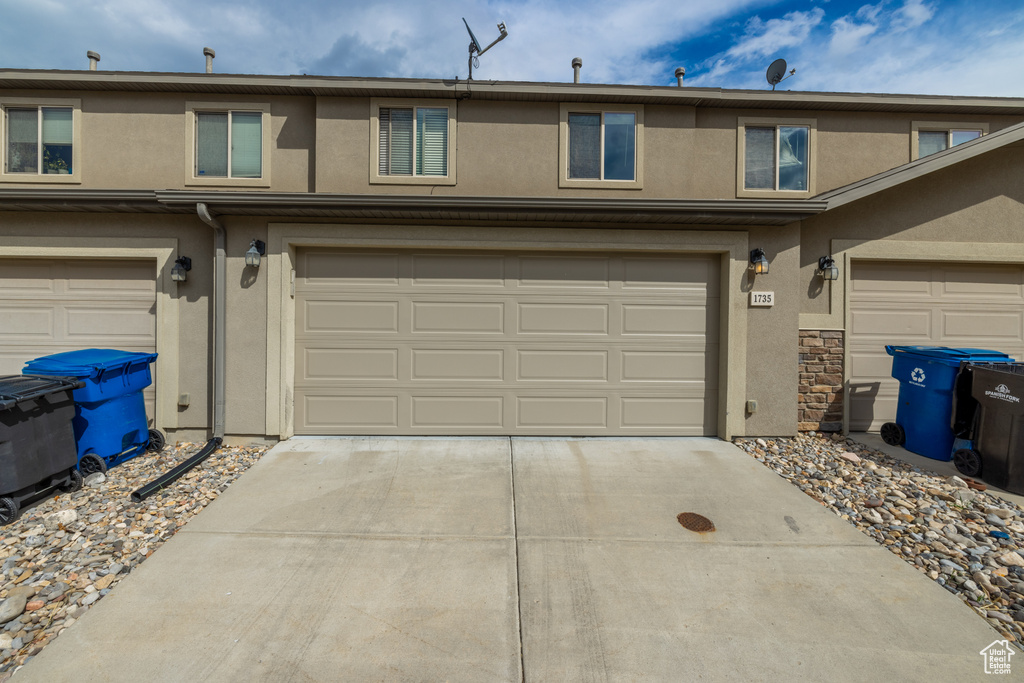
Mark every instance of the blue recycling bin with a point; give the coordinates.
(927, 376)
(110, 413)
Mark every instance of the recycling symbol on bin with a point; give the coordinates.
(917, 375)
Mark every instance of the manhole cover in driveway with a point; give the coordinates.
(695, 522)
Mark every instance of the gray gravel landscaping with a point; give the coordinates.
(968, 541)
(67, 552)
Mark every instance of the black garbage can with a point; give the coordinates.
(990, 411)
(37, 442)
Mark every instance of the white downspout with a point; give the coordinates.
(219, 324)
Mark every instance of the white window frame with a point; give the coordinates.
(75, 177)
(776, 123)
(564, 181)
(191, 123)
(376, 104)
(948, 127)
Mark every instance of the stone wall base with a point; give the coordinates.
(820, 402)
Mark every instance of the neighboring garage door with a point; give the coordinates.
(505, 343)
(51, 306)
(924, 304)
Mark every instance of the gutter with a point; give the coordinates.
(219, 324)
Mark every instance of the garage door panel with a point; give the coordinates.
(996, 324)
(85, 278)
(458, 317)
(566, 318)
(366, 269)
(927, 304)
(546, 353)
(440, 270)
(348, 316)
(26, 321)
(28, 277)
(669, 273)
(564, 271)
(89, 324)
(550, 365)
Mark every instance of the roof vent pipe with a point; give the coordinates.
(210, 54)
(576, 64)
(94, 59)
(680, 72)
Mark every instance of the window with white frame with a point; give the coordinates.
(39, 140)
(932, 141)
(412, 141)
(776, 158)
(228, 144)
(602, 146)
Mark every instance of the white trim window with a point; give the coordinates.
(777, 158)
(412, 141)
(935, 141)
(229, 144)
(39, 140)
(602, 146)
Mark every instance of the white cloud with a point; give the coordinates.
(912, 14)
(848, 35)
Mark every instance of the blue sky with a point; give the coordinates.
(951, 47)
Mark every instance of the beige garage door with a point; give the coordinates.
(51, 306)
(505, 343)
(924, 304)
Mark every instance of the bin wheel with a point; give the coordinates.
(893, 434)
(75, 482)
(90, 463)
(967, 462)
(8, 510)
(156, 441)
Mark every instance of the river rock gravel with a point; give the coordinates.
(969, 542)
(63, 554)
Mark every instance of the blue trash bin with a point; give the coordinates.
(927, 376)
(110, 413)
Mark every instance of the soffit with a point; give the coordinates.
(328, 86)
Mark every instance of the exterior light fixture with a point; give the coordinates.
(828, 268)
(256, 250)
(179, 271)
(758, 261)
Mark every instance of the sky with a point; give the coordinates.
(928, 47)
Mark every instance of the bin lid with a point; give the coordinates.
(17, 388)
(85, 362)
(949, 356)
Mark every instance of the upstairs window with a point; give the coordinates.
(934, 141)
(39, 140)
(229, 144)
(413, 141)
(776, 158)
(602, 146)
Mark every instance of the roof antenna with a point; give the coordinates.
(775, 72)
(474, 46)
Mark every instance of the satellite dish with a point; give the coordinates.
(474, 46)
(777, 72)
(476, 43)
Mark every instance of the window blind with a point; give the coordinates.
(246, 144)
(759, 159)
(585, 146)
(57, 128)
(212, 144)
(431, 142)
(22, 141)
(400, 142)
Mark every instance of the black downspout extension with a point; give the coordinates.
(172, 476)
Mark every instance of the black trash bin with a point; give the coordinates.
(37, 442)
(989, 411)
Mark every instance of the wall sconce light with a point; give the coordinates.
(829, 269)
(256, 250)
(179, 271)
(758, 261)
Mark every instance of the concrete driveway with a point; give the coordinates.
(507, 559)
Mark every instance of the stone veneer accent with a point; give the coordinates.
(820, 402)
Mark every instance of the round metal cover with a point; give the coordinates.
(695, 522)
